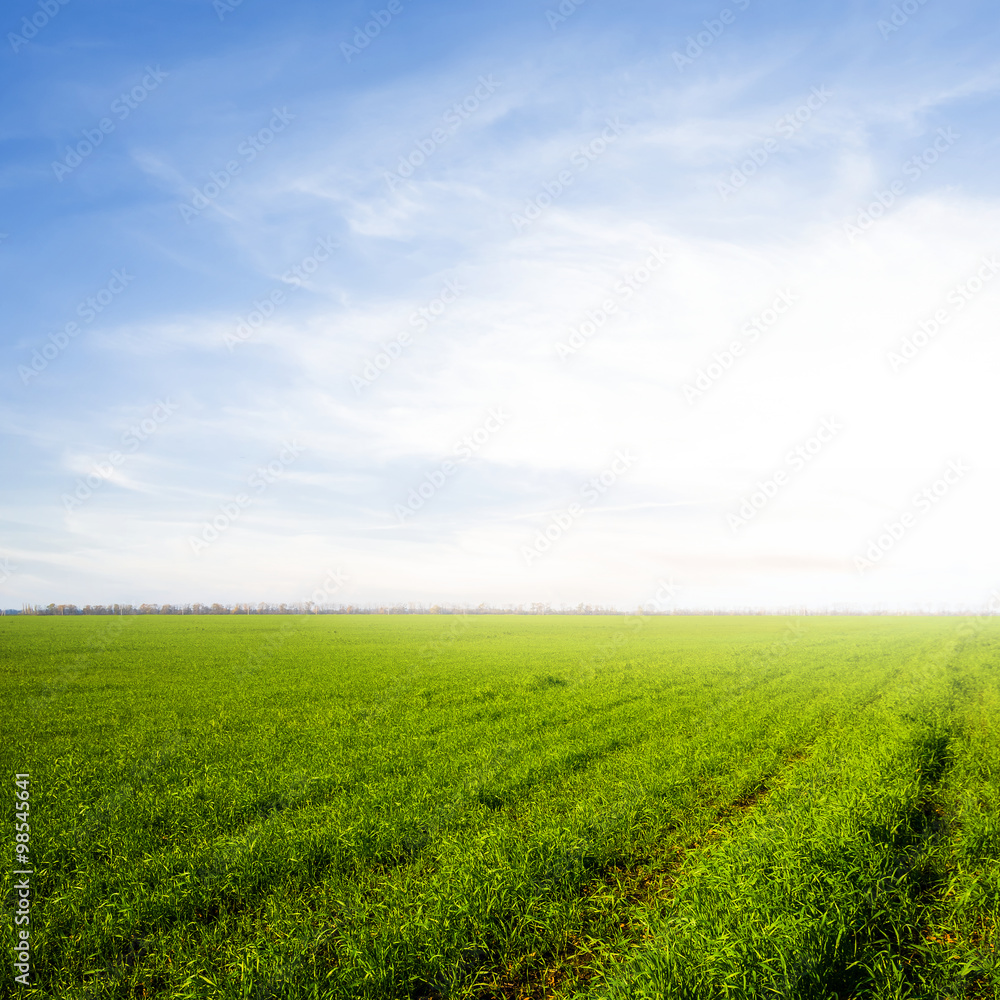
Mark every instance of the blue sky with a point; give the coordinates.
(501, 303)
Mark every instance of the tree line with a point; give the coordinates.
(311, 608)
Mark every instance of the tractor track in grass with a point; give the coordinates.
(638, 885)
(923, 877)
(927, 878)
(915, 882)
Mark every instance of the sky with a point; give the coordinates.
(633, 304)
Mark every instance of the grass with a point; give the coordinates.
(437, 806)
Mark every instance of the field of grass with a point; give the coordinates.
(443, 807)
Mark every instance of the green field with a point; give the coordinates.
(367, 806)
